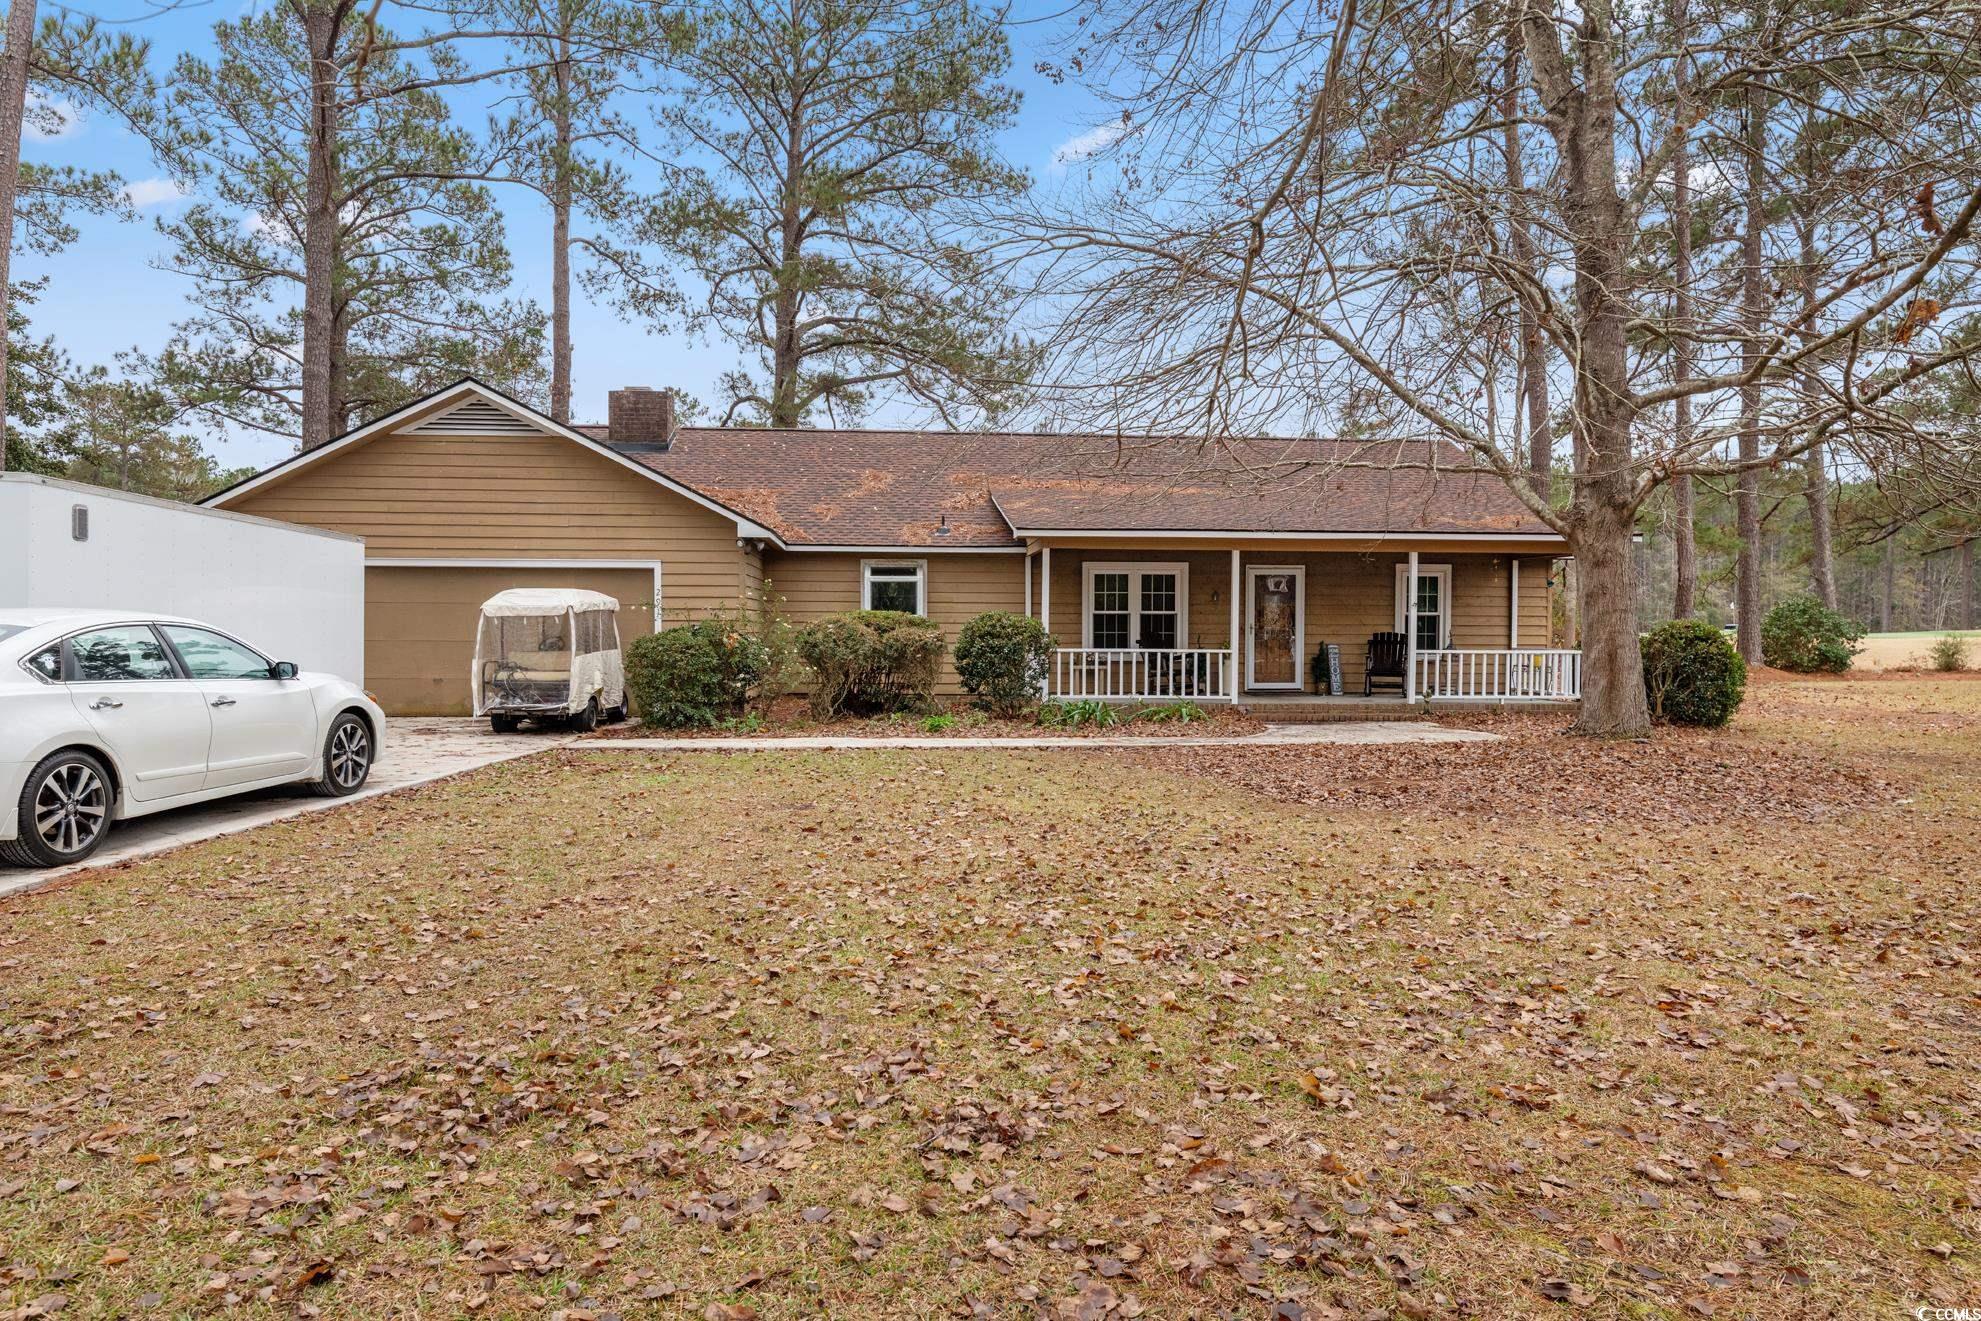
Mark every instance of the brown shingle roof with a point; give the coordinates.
(897, 488)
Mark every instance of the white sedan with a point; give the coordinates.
(106, 715)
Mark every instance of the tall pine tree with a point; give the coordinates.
(830, 147)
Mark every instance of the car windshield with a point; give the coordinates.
(8, 630)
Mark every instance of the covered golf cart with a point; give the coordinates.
(549, 653)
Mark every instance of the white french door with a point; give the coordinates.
(1275, 626)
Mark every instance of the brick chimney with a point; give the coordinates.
(639, 416)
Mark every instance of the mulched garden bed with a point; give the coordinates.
(789, 717)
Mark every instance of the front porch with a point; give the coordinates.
(1470, 623)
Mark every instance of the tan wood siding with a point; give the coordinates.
(420, 626)
(806, 586)
(752, 579)
(509, 497)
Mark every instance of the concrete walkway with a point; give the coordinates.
(1272, 736)
(418, 750)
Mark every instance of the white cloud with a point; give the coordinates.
(48, 119)
(1091, 143)
(152, 192)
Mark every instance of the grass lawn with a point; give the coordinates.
(1884, 651)
(1682, 1028)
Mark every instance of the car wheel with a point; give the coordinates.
(501, 724)
(347, 753)
(64, 812)
(586, 720)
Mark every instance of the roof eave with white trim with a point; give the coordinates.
(745, 526)
(1235, 534)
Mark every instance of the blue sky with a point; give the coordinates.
(109, 292)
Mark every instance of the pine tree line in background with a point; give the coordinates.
(787, 187)
(1919, 577)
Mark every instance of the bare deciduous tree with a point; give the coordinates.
(1299, 192)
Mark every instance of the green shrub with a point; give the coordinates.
(696, 674)
(1181, 713)
(1072, 715)
(1948, 654)
(1692, 674)
(936, 724)
(1804, 635)
(865, 662)
(1002, 660)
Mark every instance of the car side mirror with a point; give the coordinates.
(282, 670)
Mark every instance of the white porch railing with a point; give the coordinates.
(1473, 675)
(1131, 673)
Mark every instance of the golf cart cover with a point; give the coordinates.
(547, 648)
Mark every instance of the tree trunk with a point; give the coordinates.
(1822, 555)
(1816, 483)
(1967, 600)
(14, 62)
(1685, 545)
(341, 402)
(1685, 551)
(1602, 514)
(786, 361)
(320, 30)
(1747, 491)
(1533, 366)
(560, 242)
(1885, 599)
(1613, 701)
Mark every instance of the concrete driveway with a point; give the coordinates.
(417, 749)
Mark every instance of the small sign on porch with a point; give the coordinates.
(1334, 669)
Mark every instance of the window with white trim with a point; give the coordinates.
(1433, 604)
(1136, 606)
(895, 585)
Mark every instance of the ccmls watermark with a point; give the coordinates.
(1947, 1313)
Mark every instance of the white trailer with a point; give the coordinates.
(297, 593)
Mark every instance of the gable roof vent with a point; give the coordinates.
(476, 417)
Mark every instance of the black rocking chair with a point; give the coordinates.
(1387, 653)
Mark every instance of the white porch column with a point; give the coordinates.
(1236, 664)
(1513, 607)
(1028, 581)
(1045, 609)
(1410, 630)
(1045, 587)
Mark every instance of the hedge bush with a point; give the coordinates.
(1692, 674)
(1804, 635)
(696, 674)
(866, 662)
(1002, 660)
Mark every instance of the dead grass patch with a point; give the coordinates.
(913, 1033)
